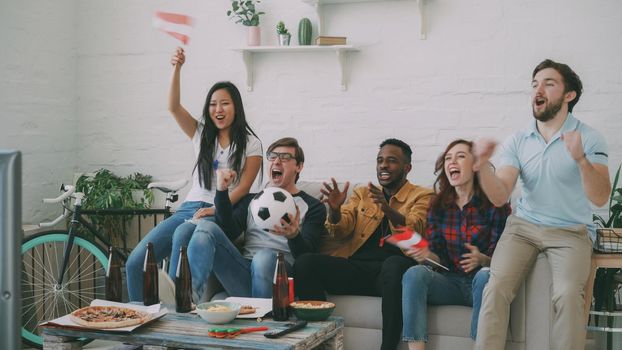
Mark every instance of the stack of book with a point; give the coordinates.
(330, 40)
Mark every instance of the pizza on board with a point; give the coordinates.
(104, 317)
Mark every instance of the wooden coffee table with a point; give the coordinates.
(189, 331)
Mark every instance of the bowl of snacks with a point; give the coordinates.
(218, 312)
(312, 310)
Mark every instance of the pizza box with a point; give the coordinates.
(155, 311)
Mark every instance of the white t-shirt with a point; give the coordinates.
(223, 156)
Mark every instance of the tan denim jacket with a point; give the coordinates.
(360, 217)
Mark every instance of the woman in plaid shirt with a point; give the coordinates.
(462, 230)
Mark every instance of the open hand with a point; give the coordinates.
(179, 57)
(291, 229)
(333, 196)
(377, 196)
(483, 149)
(471, 260)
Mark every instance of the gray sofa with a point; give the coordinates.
(448, 326)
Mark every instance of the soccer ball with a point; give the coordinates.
(270, 205)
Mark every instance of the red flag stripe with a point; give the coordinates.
(174, 18)
(181, 37)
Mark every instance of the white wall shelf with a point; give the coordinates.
(340, 51)
(318, 9)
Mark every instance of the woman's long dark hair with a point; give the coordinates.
(445, 192)
(238, 133)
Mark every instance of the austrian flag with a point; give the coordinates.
(175, 24)
(407, 239)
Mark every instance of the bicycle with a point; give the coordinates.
(63, 270)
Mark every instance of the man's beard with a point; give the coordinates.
(549, 112)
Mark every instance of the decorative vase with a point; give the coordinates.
(254, 36)
(304, 32)
(284, 39)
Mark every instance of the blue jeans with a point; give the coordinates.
(422, 286)
(210, 250)
(479, 282)
(162, 237)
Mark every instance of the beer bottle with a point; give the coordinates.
(183, 283)
(114, 281)
(150, 278)
(280, 290)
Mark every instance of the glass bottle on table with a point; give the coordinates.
(280, 290)
(183, 283)
(150, 278)
(114, 279)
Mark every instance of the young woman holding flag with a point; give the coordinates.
(221, 139)
(462, 231)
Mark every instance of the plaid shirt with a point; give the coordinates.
(449, 230)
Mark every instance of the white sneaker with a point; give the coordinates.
(166, 289)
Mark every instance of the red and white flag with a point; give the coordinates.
(407, 239)
(175, 24)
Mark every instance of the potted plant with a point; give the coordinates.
(607, 281)
(105, 190)
(283, 34)
(246, 13)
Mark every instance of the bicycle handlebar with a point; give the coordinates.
(62, 217)
(69, 190)
(172, 186)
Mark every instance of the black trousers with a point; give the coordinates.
(316, 274)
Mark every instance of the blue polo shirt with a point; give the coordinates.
(552, 191)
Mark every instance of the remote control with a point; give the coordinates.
(288, 328)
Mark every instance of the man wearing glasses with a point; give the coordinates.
(249, 272)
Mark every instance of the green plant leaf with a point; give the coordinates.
(244, 12)
(615, 185)
(106, 190)
(599, 220)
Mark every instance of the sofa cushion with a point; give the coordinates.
(365, 312)
(358, 311)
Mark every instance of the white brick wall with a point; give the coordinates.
(37, 95)
(470, 78)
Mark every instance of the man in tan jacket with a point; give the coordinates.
(355, 260)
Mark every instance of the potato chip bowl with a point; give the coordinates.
(312, 310)
(218, 317)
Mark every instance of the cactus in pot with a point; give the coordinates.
(304, 32)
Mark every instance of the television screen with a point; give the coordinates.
(10, 242)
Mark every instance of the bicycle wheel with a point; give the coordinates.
(43, 298)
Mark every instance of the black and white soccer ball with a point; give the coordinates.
(270, 205)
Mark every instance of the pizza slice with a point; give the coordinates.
(247, 309)
(106, 317)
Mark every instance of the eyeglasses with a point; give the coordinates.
(284, 157)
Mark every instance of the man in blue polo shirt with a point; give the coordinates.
(562, 164)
